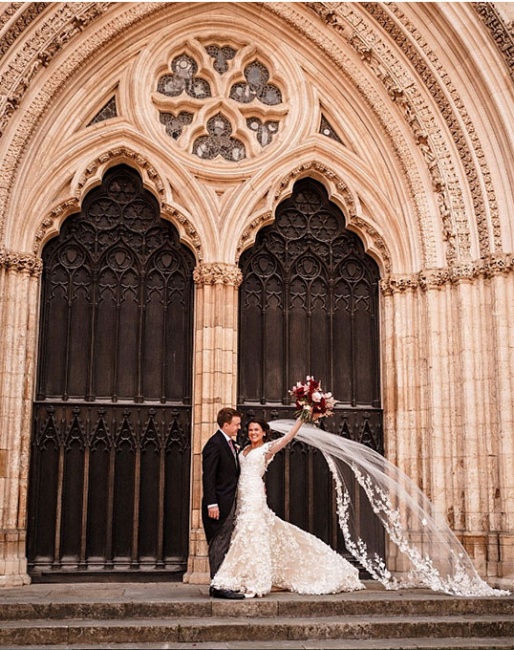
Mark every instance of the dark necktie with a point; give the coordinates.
(231, 444)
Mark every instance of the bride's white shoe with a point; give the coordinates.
(250, 594)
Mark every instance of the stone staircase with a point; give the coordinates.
(181, 616)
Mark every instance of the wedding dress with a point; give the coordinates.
(267, 552)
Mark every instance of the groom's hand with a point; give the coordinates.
(213, 512)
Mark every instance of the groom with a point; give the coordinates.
(220, 473)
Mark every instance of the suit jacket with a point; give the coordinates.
(220, 473)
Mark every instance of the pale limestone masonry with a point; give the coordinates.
(421, 99)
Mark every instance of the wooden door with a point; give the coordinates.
(309, 306)
(110, 466)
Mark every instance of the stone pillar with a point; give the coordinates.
(502, 455)
(215, 384)
(472, 429)
(404, 384)
(19, 282)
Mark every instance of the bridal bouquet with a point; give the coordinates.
(311, 400)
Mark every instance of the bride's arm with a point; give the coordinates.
(285, 440)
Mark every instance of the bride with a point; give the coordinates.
(267, 552)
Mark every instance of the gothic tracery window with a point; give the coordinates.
(191, 86)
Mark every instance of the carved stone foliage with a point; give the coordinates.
(441, 89)
(403, 91)
(503, 36)
(217, 273)
(60, 26)
(21, 262)
(434, 278)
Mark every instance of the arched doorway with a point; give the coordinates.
(110, 466)
(309, 306)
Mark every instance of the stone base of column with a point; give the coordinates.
(13, 561)
(476, 547)
(506, 562)
(198, 564)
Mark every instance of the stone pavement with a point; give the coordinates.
(38, 611)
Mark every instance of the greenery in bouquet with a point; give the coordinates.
(310, 400)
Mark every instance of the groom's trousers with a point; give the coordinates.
(219, 544)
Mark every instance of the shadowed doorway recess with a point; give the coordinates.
(111, 441)
(309, 306)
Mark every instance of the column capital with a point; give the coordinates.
(217, 273)
(435, 278)
(21, 262)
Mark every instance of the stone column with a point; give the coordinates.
(215, 384)
(19, 282)
(502, 455)
(404, 385)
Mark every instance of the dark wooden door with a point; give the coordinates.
(309, 306)
(110, 465)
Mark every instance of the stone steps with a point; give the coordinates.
(212, 629)
(184, 616)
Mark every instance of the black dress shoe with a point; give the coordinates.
(225, 593)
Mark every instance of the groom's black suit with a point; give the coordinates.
(220, 476)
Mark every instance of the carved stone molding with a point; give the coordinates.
(175, 216)
(122, 154)
(405, 94)
(60, 26)
(348, 197)
(250, 232)
(21, 262)
(378, 241)
(57, 214)
(503, 38)
(218, 273)
(26, 13)
(438, 278)
(441, 87)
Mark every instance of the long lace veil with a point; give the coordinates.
(431, 554)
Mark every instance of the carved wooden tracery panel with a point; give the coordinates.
(111, 441)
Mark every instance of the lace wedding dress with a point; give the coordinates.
(267, 552)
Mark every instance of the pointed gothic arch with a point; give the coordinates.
(110, 466)
(309, 306)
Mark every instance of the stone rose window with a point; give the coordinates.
(213, 104)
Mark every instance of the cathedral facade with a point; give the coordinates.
(202, 203)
